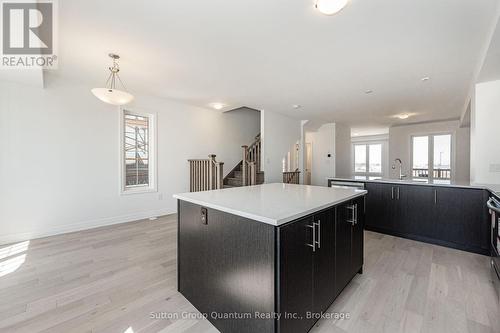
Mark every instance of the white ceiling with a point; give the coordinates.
(273, 54)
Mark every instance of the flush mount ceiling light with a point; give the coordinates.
(403, 116)
(218, 106)
(330, 7)
(296, 106)
(368, 92)
(425, 78)
(110, 94)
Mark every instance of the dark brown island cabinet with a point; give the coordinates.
(248, 276)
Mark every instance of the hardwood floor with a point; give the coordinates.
(112, 279)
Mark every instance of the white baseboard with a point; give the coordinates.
(90, 224)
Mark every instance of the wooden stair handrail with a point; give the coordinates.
(291, 177)
(205, 174)
(251, 162)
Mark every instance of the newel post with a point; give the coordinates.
(211, 172)
(244, 175)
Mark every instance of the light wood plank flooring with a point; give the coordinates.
(111, 279)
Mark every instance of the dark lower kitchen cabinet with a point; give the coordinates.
(386, 206)
(296, 274)
(378, 206)
(349, 234)
(307, 269)
(324, 261)
(462, 217)
(317, 274)
(448, 216)
(421, 213)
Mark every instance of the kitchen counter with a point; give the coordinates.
(274, 204)
(494, 188)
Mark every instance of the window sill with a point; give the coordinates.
(138, 190)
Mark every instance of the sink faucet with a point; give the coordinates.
(398, 160)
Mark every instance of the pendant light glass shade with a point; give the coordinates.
(110, 94)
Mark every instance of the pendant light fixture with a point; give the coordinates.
(330, 7)
(110, 94)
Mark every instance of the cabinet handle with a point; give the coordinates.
(355, 213)
(398, 192)
(392, 192)
(435, 197)
(313, 245)
(318, 224)
(353, 208)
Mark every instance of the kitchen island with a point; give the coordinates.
(446, 213)
(268, 258)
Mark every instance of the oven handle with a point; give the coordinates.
(492, 206)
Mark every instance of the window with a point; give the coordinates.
(368, 159)
(138, 152)
(431, 157)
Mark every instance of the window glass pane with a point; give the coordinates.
(421, 156)
(442, 156)
(360, 158)
(136, 150)
(375, 157)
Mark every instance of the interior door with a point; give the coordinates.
(296, 275)
(307, 178)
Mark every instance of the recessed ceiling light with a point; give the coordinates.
(368, 91)
(218, 106)
(330, 7)
(403, 116)
(296, 106)
(425, 78)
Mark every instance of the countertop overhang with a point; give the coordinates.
(274, 204)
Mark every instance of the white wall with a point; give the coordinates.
(485, 120)
(343, 167)
(323, 144)
(279, 136)
(400, 146)
(59, 162)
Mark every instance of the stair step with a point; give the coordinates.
(237, 174)
(234, 181)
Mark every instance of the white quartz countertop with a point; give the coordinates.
(274, 204)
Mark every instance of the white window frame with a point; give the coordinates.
(431, 154)
(152, 163)
(367, 144)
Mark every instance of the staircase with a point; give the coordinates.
(247, 171)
